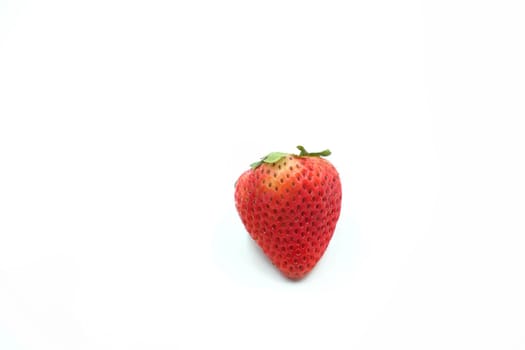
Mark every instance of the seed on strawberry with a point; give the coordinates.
(290, 205)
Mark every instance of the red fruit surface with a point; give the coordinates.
(290, 207)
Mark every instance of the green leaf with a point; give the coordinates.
(274, 157)
(270, 158)
(305, 153)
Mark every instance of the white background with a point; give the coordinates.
(124, 125)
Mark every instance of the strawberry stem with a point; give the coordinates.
(276, 156)
(305, 153)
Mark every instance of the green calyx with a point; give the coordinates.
(304, 153)
(276, 156)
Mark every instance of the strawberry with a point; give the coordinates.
(290, 204)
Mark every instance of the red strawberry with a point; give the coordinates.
(290, 205)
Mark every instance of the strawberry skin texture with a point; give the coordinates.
(290, 208)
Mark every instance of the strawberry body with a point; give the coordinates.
(290, 205)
